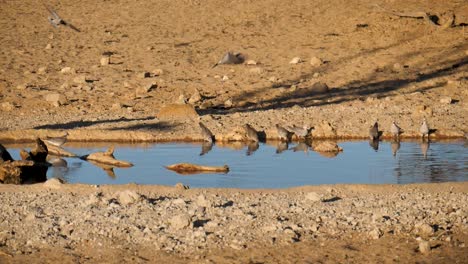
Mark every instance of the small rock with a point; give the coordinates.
(142, 91)
(225, 78)
(67, 70)
(313, 196)
(181, 186)
(48, 46)
(181, 99)
(327, 146)
(79, 79)
(195, 98)
(324, 130)
(446, 100)
(42, 70)
(295, 60)
(424, 247)
(202, 201)
(425, 229)
(314, 61)
(117, 106)
(375, 234)
(158, 72)
(397, 66)
(7, 106)
(53, 183)
(316, 75)
(128, 197)
(228, 103)
(105, 60)
(143, 75)
(256, 70)
(21, 86)
(56, 99)
(251, 62)
(180, 221)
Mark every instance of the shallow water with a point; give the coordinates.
(414, 162)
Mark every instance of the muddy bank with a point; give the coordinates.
(204, 224)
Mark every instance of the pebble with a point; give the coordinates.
(315, 61)
(143, 75)
(128, 197)
(195, 98)
(313, 196)
(251, 62)
(7, 106)
(48, 46)
(424, 247)
(79, 79)
(180, 221)
(67, 70)
(257, 70)
(105, 60)
(42, 70)
(181, 186)
(53, 183)
(56, 99)
(375, 234)
(158, 72)
(295, 60)
(446, 100)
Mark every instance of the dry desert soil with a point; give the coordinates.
(143, 71)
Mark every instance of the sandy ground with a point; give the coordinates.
(377, 66)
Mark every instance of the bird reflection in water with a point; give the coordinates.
(206, 147)
(395, 147)
(374, 143)
(301, 146)
(252, 147)
(281, 146)
(424, 148)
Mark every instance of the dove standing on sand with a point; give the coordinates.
(56, 141)
(230, 58)
(374, 131)
(206, 133)
(300, 132)
(424, 129)
(251, 133)
(283, 133)
(395, 130)
(56, 21)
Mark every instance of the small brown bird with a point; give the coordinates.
(300, 132)
(374, 131)
(395, 130)
(251, 133)
(283, 133)
(206, 133)
(424, 129)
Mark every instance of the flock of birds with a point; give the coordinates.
(285, 133)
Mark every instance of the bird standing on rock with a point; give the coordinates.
(283, 133)
(56, 141)
(251, 133)
(206, 133)
(395, 130)
(424, 129)
(374, 131)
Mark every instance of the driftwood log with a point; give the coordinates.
(32, 168)
(188, 168)
(107, 157)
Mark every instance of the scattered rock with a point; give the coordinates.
(313, 196)
(425, 229)
(446, 100)
(327, 146)
(324, 130)
(105, 60)
(177, 112)
(315, 61)
(257, 70)
(53, 183)
(195, 98)
(251, 62)
(67, 70)
(181, 186)
(7, 106)
(48, 46)
(158, 72)
(375, 234)
(143, 75)
(225, 78)
(143, 90)
(56, 99)
(180, 221)
(128, 197)
(181, 99)
(80, 79)
(295, 60)
(42, 70)
(424, 247)
(228, 103)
